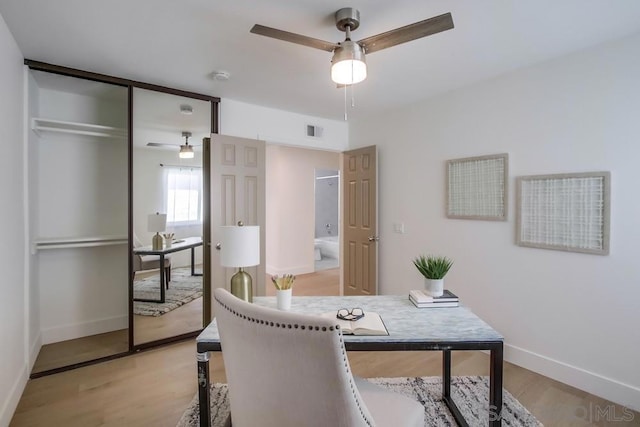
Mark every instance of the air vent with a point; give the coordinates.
(314, 131)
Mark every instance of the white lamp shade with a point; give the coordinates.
(240, 246)
(157, 222)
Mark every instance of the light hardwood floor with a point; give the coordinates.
(184, 319)
(153, 388)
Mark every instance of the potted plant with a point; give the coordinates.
(284, 287)
(433, 268)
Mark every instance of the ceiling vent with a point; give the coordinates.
(314, 131)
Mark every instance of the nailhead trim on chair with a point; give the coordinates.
(311, 328)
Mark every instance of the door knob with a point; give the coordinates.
(373, 238)
(218, 246)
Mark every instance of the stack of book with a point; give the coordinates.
(421, 299)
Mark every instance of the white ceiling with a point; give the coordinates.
(180, 43)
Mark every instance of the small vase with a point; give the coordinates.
(283, 299)
(434, 287)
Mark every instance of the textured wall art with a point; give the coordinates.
(567, 212)
(477, 187)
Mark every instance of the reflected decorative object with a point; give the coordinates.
(157, 223)
(186, 150)
(240, 247)
(168, 239)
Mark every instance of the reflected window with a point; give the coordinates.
(184, 196)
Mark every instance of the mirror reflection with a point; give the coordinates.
(167, 214)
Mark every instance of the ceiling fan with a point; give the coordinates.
(186, 149)
(348, 64)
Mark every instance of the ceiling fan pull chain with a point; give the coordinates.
(353, 96)
(345, 103)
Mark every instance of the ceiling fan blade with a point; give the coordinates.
(407, 33)
(160, 144)
(293, 38)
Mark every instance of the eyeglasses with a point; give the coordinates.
(353, 314)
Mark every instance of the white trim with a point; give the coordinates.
(596, 384)
(78, 330)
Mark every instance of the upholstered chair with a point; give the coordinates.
(287, 369)
(150, 262)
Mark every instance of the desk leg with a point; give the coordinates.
(193, 263)
(446, 389)
(204, 397)
(162, 279)
(446, 373)
(495, 386)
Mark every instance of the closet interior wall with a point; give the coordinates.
(78, 215)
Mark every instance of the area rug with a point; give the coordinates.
(183, 288)
(471, 395)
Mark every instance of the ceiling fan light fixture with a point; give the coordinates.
(186, 152)
(348, 65)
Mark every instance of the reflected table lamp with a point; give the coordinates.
(157, 223)
(240, 247)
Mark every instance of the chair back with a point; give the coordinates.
(285, 369)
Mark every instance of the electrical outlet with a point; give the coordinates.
(398, 227)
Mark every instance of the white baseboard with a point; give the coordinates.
(15, 393)
(78, 330)
(304, 269)
(607, 388)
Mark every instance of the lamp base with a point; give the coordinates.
(241, 285)
(156, 242)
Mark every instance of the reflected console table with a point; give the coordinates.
(179, 245)
(410, 328)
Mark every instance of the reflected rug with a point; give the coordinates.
(183, 288)
(471, 395)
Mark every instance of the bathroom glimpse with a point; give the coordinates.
(327, 240)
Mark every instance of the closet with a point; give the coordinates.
(89, 168)
(78, 216)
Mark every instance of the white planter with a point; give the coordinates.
(283, 299)
(434, 287)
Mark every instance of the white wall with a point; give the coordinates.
(570, 316)
(290, 208)
(13, 315)
(280, 127)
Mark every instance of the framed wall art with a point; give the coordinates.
(569, 212)
(477, 187)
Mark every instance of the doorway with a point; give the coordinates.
(291, 226)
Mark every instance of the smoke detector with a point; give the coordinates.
(221, 76)
(186, 109)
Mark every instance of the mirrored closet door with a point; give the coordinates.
(167, 195)
(78, 219)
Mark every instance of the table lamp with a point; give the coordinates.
(156, 223)
(240, 247)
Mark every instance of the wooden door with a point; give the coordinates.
(360, 221)
(237, 194)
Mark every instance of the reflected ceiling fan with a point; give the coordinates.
(348, 65)
(186, 149)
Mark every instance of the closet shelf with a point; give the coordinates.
(78, 242)
(40, 125)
